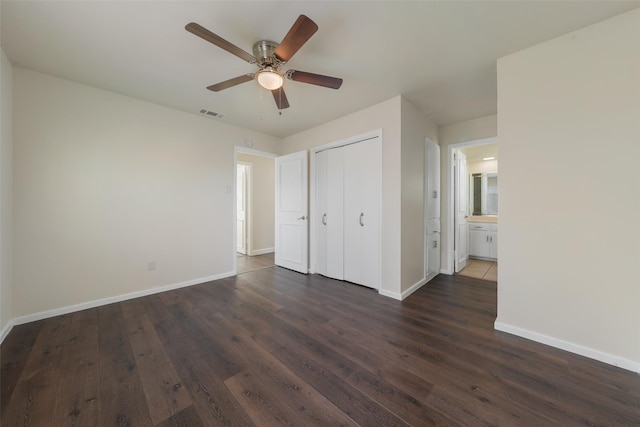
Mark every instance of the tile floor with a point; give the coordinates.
(256, 262)
(480, 269)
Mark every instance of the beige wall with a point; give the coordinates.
(105, 184)
(569, 249)
(415, 128)
(470, 130)
(6, 193)
(262, 210)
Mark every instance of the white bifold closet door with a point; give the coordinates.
(348, 191)
(330, 206)
(362, 172)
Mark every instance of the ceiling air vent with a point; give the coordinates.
(212, 113)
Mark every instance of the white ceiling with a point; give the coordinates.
(478, 152)
(440, 55)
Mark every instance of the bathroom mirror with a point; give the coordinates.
(483, 193)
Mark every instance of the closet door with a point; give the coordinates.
(321, 212)
(335, 213)
(362, 188)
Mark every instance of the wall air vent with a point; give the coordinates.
(212, 113)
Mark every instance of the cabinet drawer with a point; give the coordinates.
(494, 227)
(479, 227)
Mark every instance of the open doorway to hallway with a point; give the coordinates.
(255, 210)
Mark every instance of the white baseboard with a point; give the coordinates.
(415, 287)
(110, 300)
(390, 294)
(5, 331)
(568, 346)
(405, 294)
(261, 251)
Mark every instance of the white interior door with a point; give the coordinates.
(291, 237)
(241, 208)
(461, 196)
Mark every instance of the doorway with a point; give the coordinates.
(254, 198)
(243, 199)
(460, 164)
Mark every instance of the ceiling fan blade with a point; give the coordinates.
(231, 82)
(314, 79)
(300, 32)
(280, 98)
(207, 35)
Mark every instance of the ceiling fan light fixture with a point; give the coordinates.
(269, 79)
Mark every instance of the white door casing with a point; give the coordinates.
(461, 197)
(242, 182)
(291, 234)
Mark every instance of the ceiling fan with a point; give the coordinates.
(270, 57)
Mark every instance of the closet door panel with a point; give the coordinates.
(321, 212)
(362, 181)
(335, 213)
(370, 155)
(352, 212)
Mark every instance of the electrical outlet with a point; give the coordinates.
(151, 266)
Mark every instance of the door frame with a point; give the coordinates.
(377, 133)
(248, 203)
(238, 149)
(450, 215)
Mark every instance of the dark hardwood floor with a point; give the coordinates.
(273, 347)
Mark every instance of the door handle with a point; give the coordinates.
(303, 217)
(324, 219)
(361, 216)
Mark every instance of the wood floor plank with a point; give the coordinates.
(202, 370)
(34, 399)
(77, 392)
(188, 417)
(121, 400)
(275, 347)
(164, 390)
(307, 406)
(14, 353)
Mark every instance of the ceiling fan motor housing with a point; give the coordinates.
(264, 52)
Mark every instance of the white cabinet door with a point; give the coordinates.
(483, 240)
(291, 236)
(433, 254)
(432, 180)
(479, 243)
(362, 184)
(493, 242)
(432, 209)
